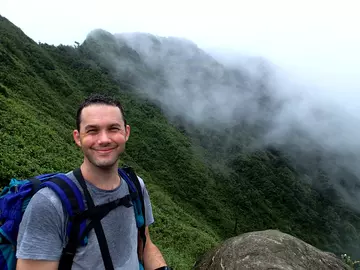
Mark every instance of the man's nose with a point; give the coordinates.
(103, 137)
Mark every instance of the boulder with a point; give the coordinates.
(269, 249)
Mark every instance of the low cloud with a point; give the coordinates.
(220, 89)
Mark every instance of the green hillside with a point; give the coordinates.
(199, 197)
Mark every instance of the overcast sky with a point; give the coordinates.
(317, 38)
(314, 39)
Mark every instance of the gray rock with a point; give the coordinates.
(270, 249)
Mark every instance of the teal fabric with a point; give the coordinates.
(7, 256)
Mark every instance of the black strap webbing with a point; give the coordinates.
(105, 253)
(69, 251)
(70, 194)
(101, 211)
(133, 177)
(35, 185)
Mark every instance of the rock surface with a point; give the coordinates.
(269, 249)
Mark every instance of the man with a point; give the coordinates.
(101, 134)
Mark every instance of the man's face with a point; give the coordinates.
(102, 135)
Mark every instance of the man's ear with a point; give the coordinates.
(127, 135)
(76, 135)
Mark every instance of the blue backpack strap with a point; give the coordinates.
(132, 180)
(71, 198)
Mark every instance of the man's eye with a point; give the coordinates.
(115, 129)
(91, 131)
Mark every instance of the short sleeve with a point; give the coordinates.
(149, 218)
(41, 232)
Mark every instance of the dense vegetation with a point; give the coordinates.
(201, 194)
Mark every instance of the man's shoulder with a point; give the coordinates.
(141, 181)
(45, 201)
(47, 195)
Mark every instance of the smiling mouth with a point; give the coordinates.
(104, 150)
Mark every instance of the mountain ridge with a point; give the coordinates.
(205, 185)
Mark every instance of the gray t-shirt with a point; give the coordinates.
(42, 233)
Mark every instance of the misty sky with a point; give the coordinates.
(317, 41)
(317, 38)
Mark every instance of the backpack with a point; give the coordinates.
(15, 197)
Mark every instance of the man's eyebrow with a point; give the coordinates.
(90, 127)
(116, 125)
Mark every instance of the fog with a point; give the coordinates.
(328, 113)
(302, 56)
(309, 48)
(315, 113)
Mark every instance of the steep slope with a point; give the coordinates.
(37, 104)
(227, 114)
(37, 118)
(204, 185)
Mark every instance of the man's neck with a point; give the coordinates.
(106, 179)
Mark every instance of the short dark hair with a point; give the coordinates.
(98, 99)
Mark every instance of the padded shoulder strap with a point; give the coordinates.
(128, 174)
(68, 193)
(132, 180)
(70, 196)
